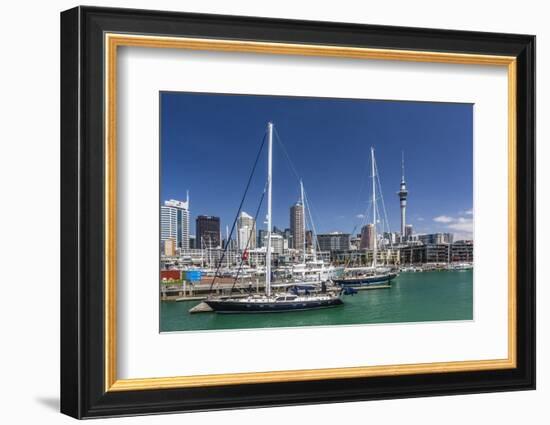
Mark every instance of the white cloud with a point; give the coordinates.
(462, 224)
(420, 219)
(462, 227)
(360, 216)
(469, 212)
(443, 219)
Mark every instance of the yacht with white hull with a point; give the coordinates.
(358, 277)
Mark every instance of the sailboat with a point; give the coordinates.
(359, 277)
(273, 302)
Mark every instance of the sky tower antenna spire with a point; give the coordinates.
(402, 166)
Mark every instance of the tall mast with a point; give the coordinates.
(303, 220)
(373, 208)
(227, 242)
(269, 183)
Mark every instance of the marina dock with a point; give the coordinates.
(200, 290)
(186, 291)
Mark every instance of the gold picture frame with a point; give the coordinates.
(114, 41)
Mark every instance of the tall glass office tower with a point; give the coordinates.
(174, 222)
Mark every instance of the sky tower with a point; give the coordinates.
(403, 195)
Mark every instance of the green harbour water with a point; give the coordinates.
(413, 297)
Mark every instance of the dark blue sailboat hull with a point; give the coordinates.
(225, 306)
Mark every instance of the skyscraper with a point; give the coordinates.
(367, 237)
(297, 226)
(208, 231)
(403, 195)
(246, 231)
(174, 222)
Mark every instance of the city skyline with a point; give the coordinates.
(436, 139)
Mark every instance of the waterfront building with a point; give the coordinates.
(174, 222)
(335, 241)
(256, 257)
(413, 254)
(403, 196)
(408, 232)
(364, 257)
(437, 253)
(208, 231)
(462, 252)
(192, 242)
(436, 238)
(297, 226)
(169, 247)
(367, 237)
(429, 253)
(209, 258)
(246, 231)
(277, 244)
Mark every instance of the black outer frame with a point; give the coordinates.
(82, 207)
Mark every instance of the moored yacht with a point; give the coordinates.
(275, 303)
(280, 302)
(358, 277)
(314, 270)
(461, 266)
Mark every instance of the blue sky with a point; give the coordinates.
(209, 142)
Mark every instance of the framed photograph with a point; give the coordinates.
(261, 212)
